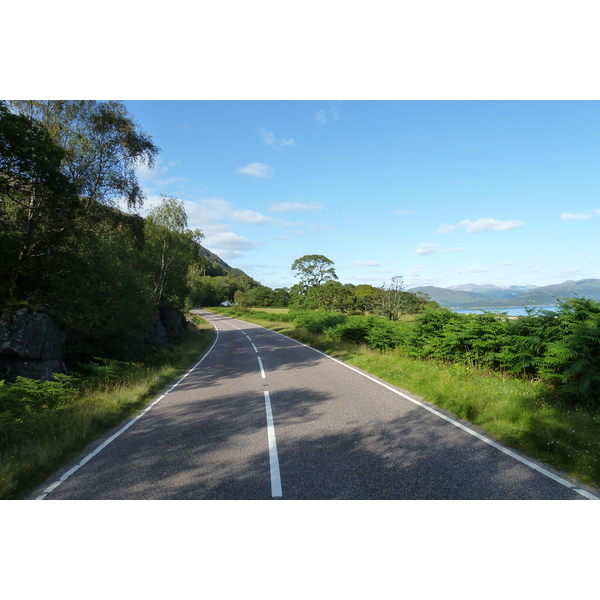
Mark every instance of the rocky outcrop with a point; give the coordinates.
(168, 325)
(31, 345)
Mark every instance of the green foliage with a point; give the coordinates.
(386, 335)
(353, 329)
(37, 203)
(318, 321)
(313, 270)
(170, 250)
(239, 299)
(24, 399)
(102, 145)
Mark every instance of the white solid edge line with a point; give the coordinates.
(273, 456)
(91, 455)
(503, 449)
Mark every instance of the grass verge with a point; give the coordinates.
(40, 442)
(528, 416)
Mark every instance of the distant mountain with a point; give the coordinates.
(490, 287)
(220, 262)
(493, 296)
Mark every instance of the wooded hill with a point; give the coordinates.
(67, 251)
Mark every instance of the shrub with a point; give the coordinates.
(353, 329)
(386, 335)
(318, 321)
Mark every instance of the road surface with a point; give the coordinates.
(263, 417)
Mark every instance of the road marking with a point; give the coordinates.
(468, 430)
(91, 455)
(262, 371)
(255, 350)
(273, 457)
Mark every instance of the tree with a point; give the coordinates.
(313, 269)
(170, 248)
(239, 299)
(37, 201)
(395, 301)
(102, 146)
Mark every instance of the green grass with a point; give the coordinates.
(528, 416)
(41, 443)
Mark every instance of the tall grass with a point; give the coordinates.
(45, 436)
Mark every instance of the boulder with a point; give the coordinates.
(31, 345)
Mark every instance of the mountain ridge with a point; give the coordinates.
(493, 296)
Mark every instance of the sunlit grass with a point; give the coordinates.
(56, 436)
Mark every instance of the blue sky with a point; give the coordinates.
(439, 192)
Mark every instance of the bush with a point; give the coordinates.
(353, 329)
(386, 335)
(318, 321)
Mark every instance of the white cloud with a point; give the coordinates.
(474, 270)
(270, 140)
(405, 212)
(427, 248)
(331, 114)
(156, 179)
(570, 272)
(487, 224)
(229, 244)
(366, 263)
(252, 217)
(444, 228)
(206, 212)
(585, 215)
(256, 170)
(295, 206)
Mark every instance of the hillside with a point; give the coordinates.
(220, 262)
(491, 296)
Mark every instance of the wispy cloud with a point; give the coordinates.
(229, 244)
(474, 270)
(427, 248)
(444, 228)
(589, 214)
(487, 224)
(156, 179)
(295, 206)
(326, 115)
(270, 140)
(366, 263)
(405, 212)
(252, 217)
(256, 170)
(215, 210)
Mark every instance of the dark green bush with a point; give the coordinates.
(386, 335)
(318, 321)
(353, 329)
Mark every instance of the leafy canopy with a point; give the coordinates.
(313, 269)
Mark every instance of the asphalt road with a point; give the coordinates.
(263, 417)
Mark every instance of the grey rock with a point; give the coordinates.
(31, 345)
